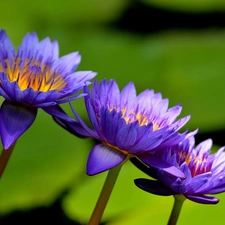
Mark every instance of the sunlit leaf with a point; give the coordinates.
(80, 203)
(157, 211)
(23, 15)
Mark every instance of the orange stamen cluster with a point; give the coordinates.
(196, 164)
(143, 120)
(32, 75)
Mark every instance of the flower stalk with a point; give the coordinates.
(104, 195)
(178, 202)
(4, 158)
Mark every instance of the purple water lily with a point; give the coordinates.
(205, 172)
(35, 77)
(127, 125)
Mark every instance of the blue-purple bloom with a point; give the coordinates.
(205, 172)
(35, 77)
(128, 125)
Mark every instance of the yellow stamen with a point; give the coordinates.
(188, 158)
(33, 75)
(132, 117)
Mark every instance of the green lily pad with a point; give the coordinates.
(189, 5)
(21, 16)
(156, 210)
(80, 202)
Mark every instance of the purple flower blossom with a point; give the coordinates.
(35, 77)
(205, 172)
(127, 125)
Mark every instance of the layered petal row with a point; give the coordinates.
(127, 124)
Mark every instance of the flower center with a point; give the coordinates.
(32, 75)
(197, 164)
(132, 116)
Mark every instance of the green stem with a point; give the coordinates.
(4, 158)
(178, 202)
(105, 195)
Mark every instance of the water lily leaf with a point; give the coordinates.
(80, 202)
(157, 211)
(22, 16)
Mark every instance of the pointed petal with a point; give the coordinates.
(197, 182)
(45, 51)
(204, 146)
(153, 161)
(26, 49)
(146, 145)
(185, 169)
(143, 167)
(76, 81)
(102, 158)
(143, 100)
(91, 133)
(72, 127)
(128, 95)
(126, 136)
(56, 111)
(67, 63)
(180, 123)
(173, 113)
(109, 122)
(203, 199)
(216, 190)
(171, 140)
(81, 77)
(6, 48)
(55, 50)
(15, 119)
(153, 187)
(191, 138)
(161, 107)
(93, 118)
(113, 93)
(2, 91)
(178, 186)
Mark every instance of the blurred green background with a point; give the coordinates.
(46, 172)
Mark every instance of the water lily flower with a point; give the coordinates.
(127, 125)
(205, 172)
(35, 77)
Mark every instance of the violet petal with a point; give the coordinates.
(153, 161)
(102, 158)
(203, 199)
(15, 119)
(153, 187)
